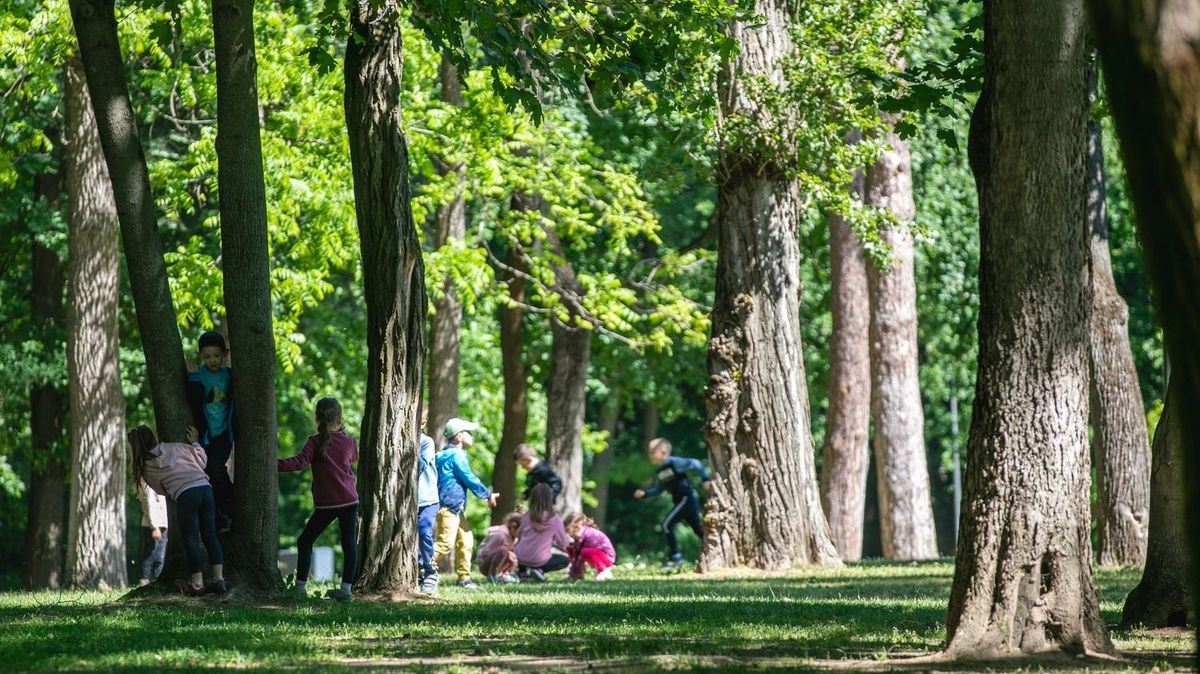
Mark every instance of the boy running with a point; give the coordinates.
(672, 476)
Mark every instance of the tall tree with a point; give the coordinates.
(902, 476)
(1121, 444)
(96, 537)
(765, 509)
(566, 390)
(610, 421)
(1151, 56)
(516, 385)
(247, 277)
(394, 287)
(845, 455)
(1023, 580)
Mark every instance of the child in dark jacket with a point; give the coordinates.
(671, 476)
(331, 453)
(536, 471)
(591, 547)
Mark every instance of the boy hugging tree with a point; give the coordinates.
(210, 395)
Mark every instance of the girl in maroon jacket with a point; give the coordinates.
(331, 454)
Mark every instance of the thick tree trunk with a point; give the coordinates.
(845, 456)
(570, 350)
(516, 392)
(1162, 598)
(1023, 579)
(609, 423)
(1151, 54)
(765, 508)
(99, 49)
(446, 322)
(247, 272)
(96, 539)
(902, 476)
(394, 287)
(1121, 446)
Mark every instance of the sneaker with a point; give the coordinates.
(507, 579)
(605, 574)
(185, 586)
(534, 576)
(673, 563)
(224, 524)
(300, 595)
(338, 594)
(429, 585)
(218, 586)
(492, 579)
(468, 584)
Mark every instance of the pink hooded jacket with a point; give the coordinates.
(174, 467)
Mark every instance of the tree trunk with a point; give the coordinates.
(99, 49)
(446, 323)
(44, 526)
(1162, 598)
(845, 455)
(96, 540)
(1121, 445)
(1151, 56)
(570, 349)
(765, 508)
(394, 287)
(516, 392)
(902, 475)
(601, 462)
(1023, 579)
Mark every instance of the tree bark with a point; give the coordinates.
(845, 455)
(1121, 445)
(765, 508)
(1151, 55)
(99, 49)
(1023, 580)
(902, 475)
(96, 538)
(1162, 598)
(516, 391)
(394, 287)
(609, 422)
(570, 350)
(446, 323)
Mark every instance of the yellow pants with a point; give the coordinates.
(450, 534)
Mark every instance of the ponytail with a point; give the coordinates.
(141, 441)
(329, 413)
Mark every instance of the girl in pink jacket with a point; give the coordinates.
(540, 528)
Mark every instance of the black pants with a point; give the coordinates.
(218, 451)
(557, 561)
(686, 510)
(155, 552)
(347, 518)
(197, 519)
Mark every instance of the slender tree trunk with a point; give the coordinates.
(1151, 54)
(393, 277)
(446, 323)
(601, 462)
(1121, 445)
(1162, 598)
(765, 508)
(1023, 579)
(96, 540)
(99, 49)
(845, 456)
(902, 476)
(516, 391)
(570, 350)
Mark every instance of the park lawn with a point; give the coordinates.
(868, 616)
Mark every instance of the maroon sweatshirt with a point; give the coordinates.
(333, 483)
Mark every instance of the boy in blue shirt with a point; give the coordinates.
(454, 479)
(210, 394)
(672, 476)
(427, 507)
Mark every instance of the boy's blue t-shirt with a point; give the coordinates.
(216, 398)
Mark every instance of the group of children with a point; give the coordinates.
(530, 542)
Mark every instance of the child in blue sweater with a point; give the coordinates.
(455, 477)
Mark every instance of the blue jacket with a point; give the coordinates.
(427, 475)
(671, 476)
(455, 478)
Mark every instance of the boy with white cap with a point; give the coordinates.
(455, 477)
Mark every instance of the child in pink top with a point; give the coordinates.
(591, 547)
(496, 558)
(540, 527)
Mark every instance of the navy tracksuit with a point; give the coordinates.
(672, 476)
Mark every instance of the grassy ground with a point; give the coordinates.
(864, 617)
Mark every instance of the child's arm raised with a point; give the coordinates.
(301, 460)
(462, 470)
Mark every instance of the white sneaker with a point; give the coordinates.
(605, 574)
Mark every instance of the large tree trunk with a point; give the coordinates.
(845, 456)
(609, 422)
(765, 509)
(1121, 445)
(516, 391)
(247, 271)
(446, 322)
(1162, 597)
(1023, 579)
(99, 49)
(394, 287)
(96, 539)
(902, 476)
(1151, 54)
(570, 349)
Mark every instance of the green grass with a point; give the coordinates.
(870, 615)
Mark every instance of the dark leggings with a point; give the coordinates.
(197, 520)
(218, 451)
(557, 562)
(687, 510)
(347, 518)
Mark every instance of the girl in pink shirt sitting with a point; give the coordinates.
(540, 527)
(496, 558)
(331, 453)
(591, 547)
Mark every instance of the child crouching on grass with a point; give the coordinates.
(540, 528)
(496, 558)
(591, 547)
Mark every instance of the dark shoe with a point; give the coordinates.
(185, 586)
(338, 594)
(535, 576)
(224, 524)
(217, 587)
